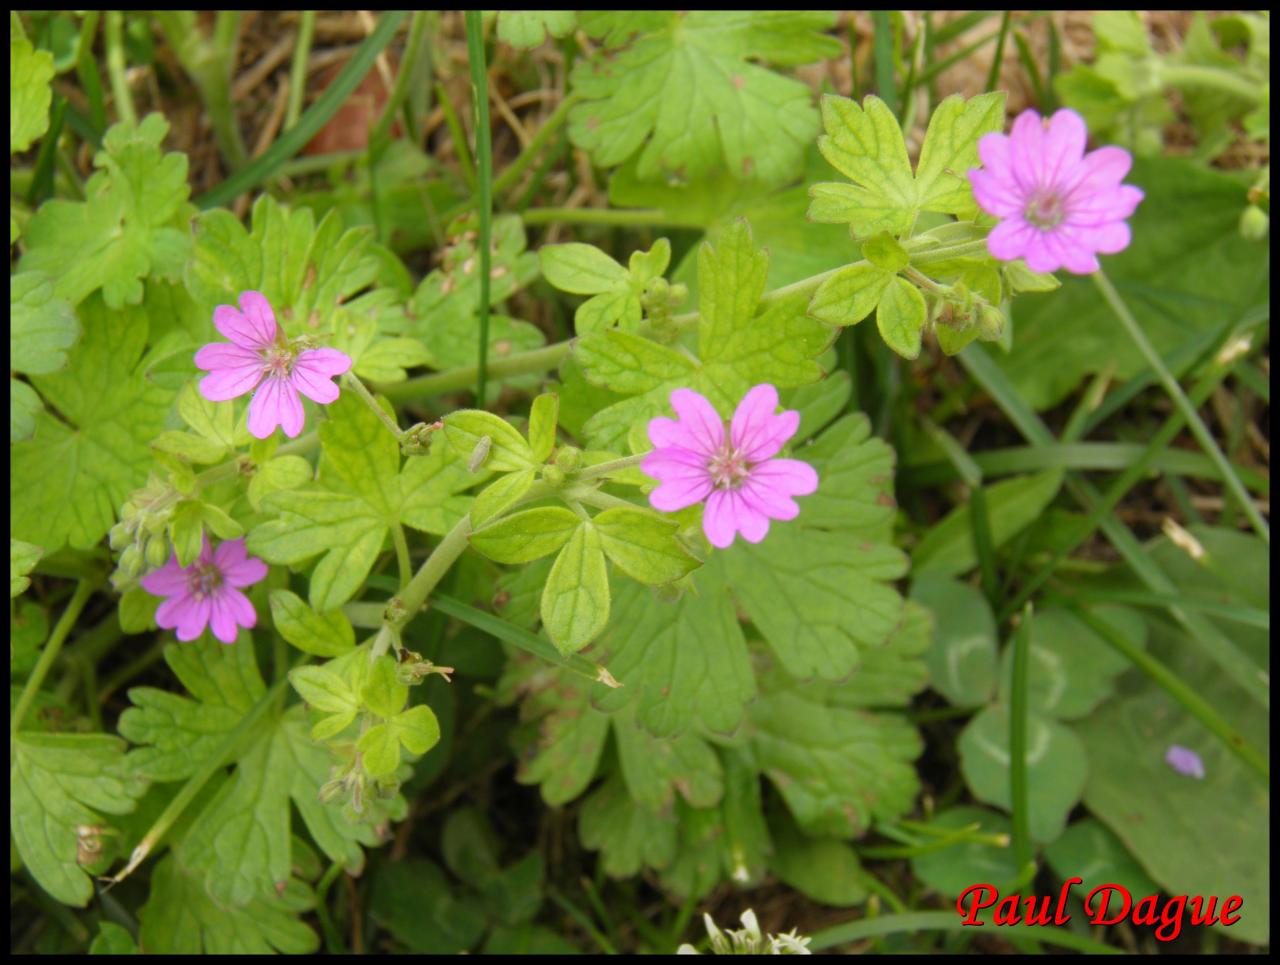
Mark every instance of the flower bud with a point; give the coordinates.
(553, 475)
(679, 292)
(157, 553)
(658, 289)
(569, 458)
(991, 322)
(119, 537)
(131, 560)
(1254, 223)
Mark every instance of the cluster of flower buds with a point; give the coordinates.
(957, 308)
(139, 537)
(658, 300)
(567, 461)
(417, 439)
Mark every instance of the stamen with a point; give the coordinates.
(728, 468)
(204, 580)
(1046, 211)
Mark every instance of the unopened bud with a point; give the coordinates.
(553, 475)
(131, 560)
(679, 292)
(479, 454)
(119, 537)
(1254, 223)
(658, 289)
(157, 553)
(331, 791)
(991, 322)
(569, 458)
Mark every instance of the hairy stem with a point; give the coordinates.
(84, 590)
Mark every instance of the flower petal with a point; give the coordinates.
(677, 494)
(1026, 150)
(997, 197)
(787, 477)
(1040, 253)
(311, 383)
(993, 149)
(169, 580)
(192, 619)
(240, 607)
(701, 427)
(221, 620)
(1103, 168)
(233, 371)
(1103, 205)
(1064, 144)
(253, 327)
(674, 463)
(720, 520)
(324, 362)
(1010, 239)
(756, 432)
(276, 403)
(236, 566)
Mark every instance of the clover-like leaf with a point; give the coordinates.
(586, 270)
(529, 28)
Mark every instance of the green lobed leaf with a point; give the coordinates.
(42, 326)
(825, 869)
(22, 560)
(322, 634)
(575, 601)
(30, 71)
(687, 95)
(529, 28)
(526, 536)
(643, 545)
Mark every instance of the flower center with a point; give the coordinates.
(728, 468)
(277, 361)
(203, 580)
(1046, 210)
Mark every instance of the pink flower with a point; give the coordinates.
(1185, 761)
(207, 593)
(1058, 205)
(743, 485)
(260, 358)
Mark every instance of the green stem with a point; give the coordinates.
(298, 68)
(455, 380)
(114, 33)
(414, 596)
(353, 382)
(993, 77)
(1183, 404)
(459, 138)
(484, 174)
(84, 590)
(512, 173)
(612, 466)
(882, 50)
(212, 764)
(1018, 710)
(613, 217)
(1192, 702)
(1214, 78)
(404, 75)
(402, 554)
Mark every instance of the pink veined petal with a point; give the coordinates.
(1041, 254)
(700, 424)
(1010, 239)
(229, 553)
(1026, 150)
(261, 316)
(169, 580)
(245, 573)
(757, 433)
(675, 463)
(246, 331)
(1103, 205)
(790, 477)
(276, 403)
(720, 520)
(1103, 168)
(753, 522)
(221, 620)
(996, 197)
(1107, 239)
(1064, 144)
(316, 387)
(773, 503)
(194, 619)
(677, 494)
(241, 609)
(175, 611)
(665, 433)
(325, 362)
(993, 150)
(230, 375)
(223, 355)
(1077, 256)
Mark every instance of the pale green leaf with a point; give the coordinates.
(30, 71)
(526, 536)
(643, 545)
(323, 634)
(900, 316)
(42, 326)
(22, 560)
(575, 602)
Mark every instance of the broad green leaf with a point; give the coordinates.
(575, 602)
(382, 692)
(542, 425)
(500, 494)
(630, 363)
(655, 768)
(685, 662)
(133, 222)
(838, 769)
(387, 360)
(278, 474)
(323, 634)
(643, 545)
(112, 939)
(23, 406)
(66, 482)
(526, 536)
(380, 750)
(962, 661)
(181, 917)
(362, 491)
(580, 269)
(688, 92)
(506, 449)
(42, 326)
(630, 837)
(885, 253)
(28, 630)
(529, 28)
(586, 270)
(1088, 849)
(947, 549)
(1056, 767)
(951, 870)
(825, 869)
(864, 143)
(1071, 670)
(22, 560)
(900, 316)
(851, 294)
(417, 729)
(58, 784)
(30, 71)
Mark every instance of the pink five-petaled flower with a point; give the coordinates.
(743, 485)
(259, 357)
(1058, 206)
(207, 593)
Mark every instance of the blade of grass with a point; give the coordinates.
(1249, 616)
(1194, 704)
(921, 921)
(87, 71)
(459, 138)
(42, 176)
(484, 176)
(298, 67)
(1180, 400)
(882, 51)
(998, 59)
(979, 517)
(1033, 71)
(1023, 854)
(315, 117)
(954, 28)
(114, 34)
